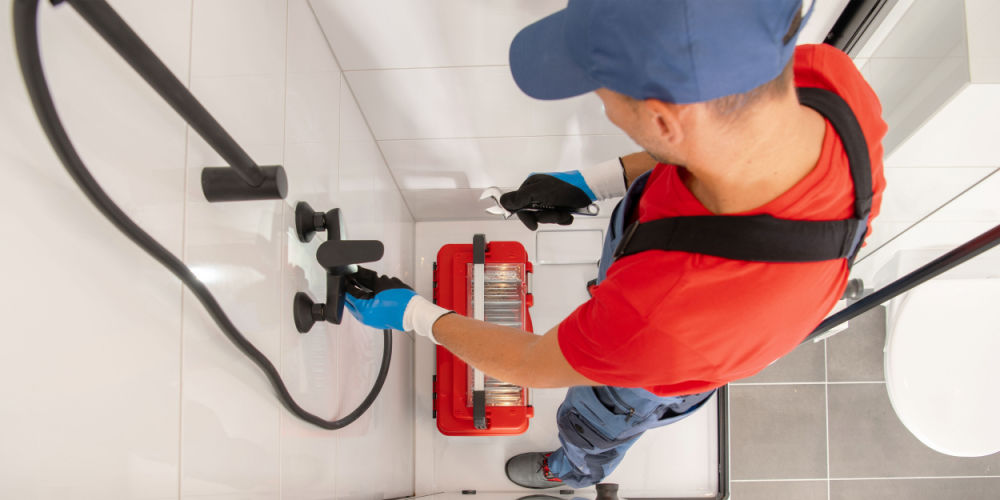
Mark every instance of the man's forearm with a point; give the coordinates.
(499, 351)
(635, 165)
(508, 354)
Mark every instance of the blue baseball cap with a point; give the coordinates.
(679, 51)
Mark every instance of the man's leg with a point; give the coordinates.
(597, 425)
(586, 468)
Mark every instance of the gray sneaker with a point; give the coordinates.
(531, 470)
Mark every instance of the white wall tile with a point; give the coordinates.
(908, 37)
(132, 141)
(308, 51)
(237, 250)
(375, 455)
(984, 43)
(425, 33)
(238, 37)
(467, 102)
(978, 204)
(309, 368)
(559, 289)
(434, 33)
(250, 109)
(912, 193)
(448, 204)
(90, 370)
(579, 246)
(309, 361)
(313, 174)
(353, 126)
(91, 373)
(357, 184)
(957, 135)
(502, 161)
(313, 107)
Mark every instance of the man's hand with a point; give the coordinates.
(560, 193)
(386, 302)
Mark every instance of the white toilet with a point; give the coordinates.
(942, 356)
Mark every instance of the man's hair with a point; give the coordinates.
(731, 106)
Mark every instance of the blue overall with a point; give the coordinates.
(597, 425)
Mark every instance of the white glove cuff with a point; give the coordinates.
(420, 316)
(606, 179)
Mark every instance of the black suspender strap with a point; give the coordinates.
(833, 108)
(763, 238)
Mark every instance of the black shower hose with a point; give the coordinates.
(25, 17)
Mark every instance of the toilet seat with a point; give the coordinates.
(942, 364)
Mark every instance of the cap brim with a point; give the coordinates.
(542, 65)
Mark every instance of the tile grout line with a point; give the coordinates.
(745, 384)
(340, 141)
(910, 478)
(184, 208)
(888, 478)
(804, 479)
(481, 137)
(364, 118)
(470, 66)
(283, 249)
(826, 402)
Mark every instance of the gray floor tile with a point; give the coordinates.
(855, 355)
(916, 489)
(779, 490)
(778, 431)
(868, 440)
(804, 364)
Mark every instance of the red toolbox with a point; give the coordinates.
(466, 401)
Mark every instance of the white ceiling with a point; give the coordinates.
(431, 78)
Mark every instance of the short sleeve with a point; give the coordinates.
(609, 339)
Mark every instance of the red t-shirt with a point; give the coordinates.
(680, 323)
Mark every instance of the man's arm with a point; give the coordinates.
(635, 165)
(508, 354)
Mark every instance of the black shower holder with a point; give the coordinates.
(339, 257)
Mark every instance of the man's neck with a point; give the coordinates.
(757, 159)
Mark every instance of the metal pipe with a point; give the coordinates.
(966, 251)
(103, 18)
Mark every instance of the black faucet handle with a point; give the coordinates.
(337, 256)
(306, 313)
(308, 221)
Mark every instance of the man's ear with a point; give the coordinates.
(666, 120)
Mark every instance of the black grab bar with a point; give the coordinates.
(243, 179)
(964, 252)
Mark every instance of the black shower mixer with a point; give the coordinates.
(338, 256)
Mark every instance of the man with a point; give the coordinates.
(708, 89)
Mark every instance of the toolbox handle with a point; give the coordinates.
(479, 301)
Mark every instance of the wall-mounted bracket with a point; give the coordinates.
(227, 184)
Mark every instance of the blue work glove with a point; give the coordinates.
(386, 302)
(560, 193)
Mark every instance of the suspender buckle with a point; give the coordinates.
(860, 230)
(626, 238)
